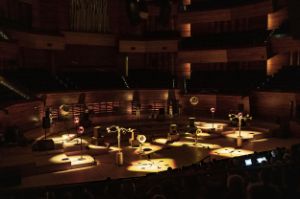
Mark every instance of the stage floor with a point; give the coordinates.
(181, 153)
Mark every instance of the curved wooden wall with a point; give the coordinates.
(247, 11)
(225, 55)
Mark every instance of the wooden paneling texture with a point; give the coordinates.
(252, 10)
(206, 101)
(247, 11)
(225, 55)
(202, 56)
(39, 41)
(93, 39)
(272, 105)
(227, 103)
(247, 54)
(25, 115)
(159, 46)
(284, 44)
(277, 62)
(8, 50)
(275, 19)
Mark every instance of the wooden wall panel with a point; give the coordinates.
(26, 115)
(148, 46)
(277, 62)
(132, 46)
(38, 41)
(247, 11)
(253, 10)
(223, 104)
(247, 54)
(162, 46)
(93, 39)
(202, 56)
(272, 105)
(8, 49)
(152, 95)
(109, 96)
(206, 101)
(284, 44)
(204, 16)
(227, 104)
(56, 99)
(275, 19)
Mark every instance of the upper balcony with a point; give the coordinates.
(225, 11)
(225, 40)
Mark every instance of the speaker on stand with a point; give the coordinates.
(46, 121)
(45, 144)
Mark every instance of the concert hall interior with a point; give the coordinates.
(149, 99)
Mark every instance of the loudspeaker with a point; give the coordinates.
(46, 122)
(98, 132)
(173, 128)
(43, 145)
(191, 126)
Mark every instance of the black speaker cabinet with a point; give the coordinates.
(43, 145)
(173, 128)
(98, 132)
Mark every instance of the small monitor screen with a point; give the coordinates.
(248, 162)
(261, 159)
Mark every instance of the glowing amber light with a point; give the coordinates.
(188, 143)
(208, 125)
(151, 149)
(77, 160)
(75, 142)
(161, 140)
(192, 144)
(153, 165)
(260, 140)
(63, 138)
(186, 30)
(60, 158)
(74, 160)
(230, 152)
(245, 134)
